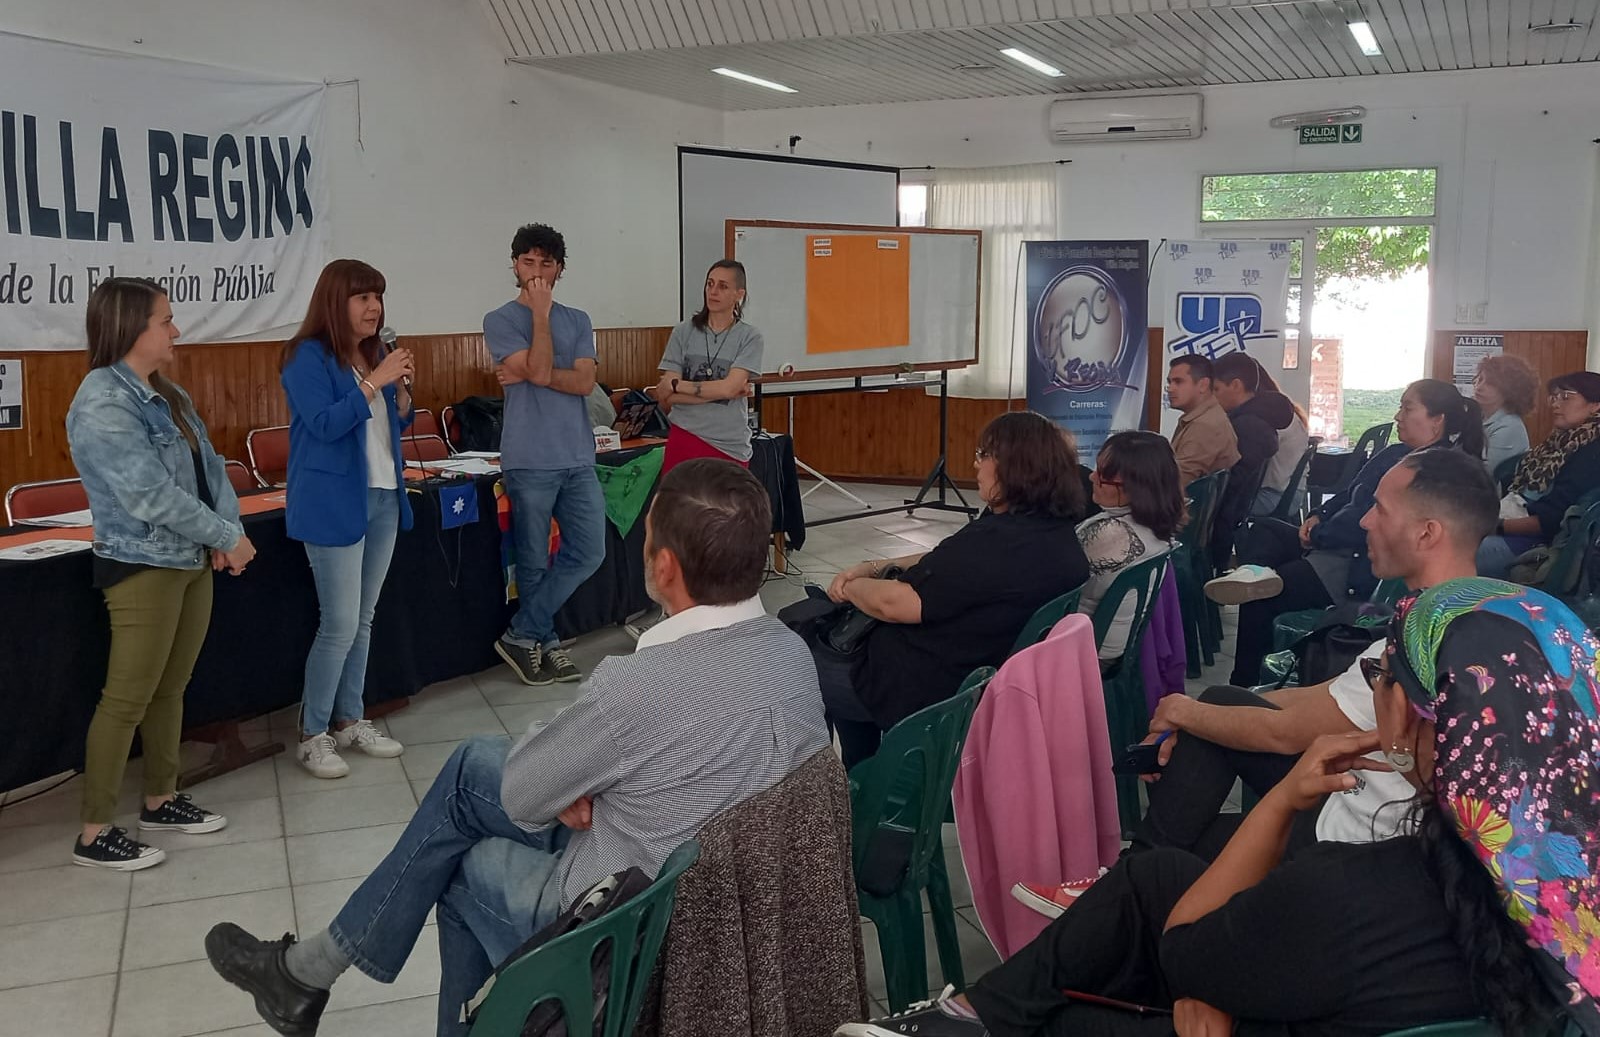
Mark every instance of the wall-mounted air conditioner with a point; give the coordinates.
(1087, 120)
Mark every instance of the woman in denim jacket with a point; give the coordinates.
(165, 516)
(346, 497)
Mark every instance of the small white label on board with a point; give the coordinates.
(822, 252)
(888, 242)
(822, 242)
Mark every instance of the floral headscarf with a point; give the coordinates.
(1508, 675)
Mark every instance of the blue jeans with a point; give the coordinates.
(1496, 554)
(573, 497)
(494, 884)
(349, 580)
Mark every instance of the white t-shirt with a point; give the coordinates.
(1377, 807)
(380, 451)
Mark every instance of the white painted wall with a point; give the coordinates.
(1517, 169)
(459, 148)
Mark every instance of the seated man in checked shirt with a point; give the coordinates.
(718, 702)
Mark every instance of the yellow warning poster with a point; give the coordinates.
(858, 292)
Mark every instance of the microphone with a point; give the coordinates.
(387, 336)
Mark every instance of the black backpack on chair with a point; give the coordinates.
(480, 419)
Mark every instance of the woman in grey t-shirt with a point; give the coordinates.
(706, 372)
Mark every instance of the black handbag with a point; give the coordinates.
(546, 1020)
(820, 620)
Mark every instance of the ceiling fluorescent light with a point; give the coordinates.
(1368, 43)
(1024, 58)
(746, 77)
(1321, 117)
(1555, 28)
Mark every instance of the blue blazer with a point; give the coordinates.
(328, 412)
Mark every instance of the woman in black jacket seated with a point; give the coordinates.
(1486, 703)
(961, 605)
(1325, 562)
(1552, 476)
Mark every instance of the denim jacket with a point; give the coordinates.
(139, 476)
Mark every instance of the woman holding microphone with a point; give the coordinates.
(706, 371)
(165, 516)
(346, 497)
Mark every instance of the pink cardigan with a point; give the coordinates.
(1034, 799)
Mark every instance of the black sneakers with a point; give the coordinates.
(559, 665)
(180, 814)
(114, 850)
(924, 1019)
(257, 967)
(528, 662)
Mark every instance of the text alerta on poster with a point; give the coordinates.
(201, 188)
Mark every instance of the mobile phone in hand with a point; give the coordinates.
(1140, 758)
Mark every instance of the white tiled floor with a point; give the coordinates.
(88, 953)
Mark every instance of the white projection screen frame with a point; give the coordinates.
(716, 185)
(945, 271)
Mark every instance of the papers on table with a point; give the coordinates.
(463, 465)
(65, 520)
(487, 455)
(43, 549)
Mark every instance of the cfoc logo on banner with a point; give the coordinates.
(1087, 336)
(208, 181)
(1221, 294)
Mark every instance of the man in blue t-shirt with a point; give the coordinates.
(545, 361)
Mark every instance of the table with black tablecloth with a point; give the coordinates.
(443, 605)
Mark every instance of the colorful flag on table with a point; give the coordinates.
(508, 551)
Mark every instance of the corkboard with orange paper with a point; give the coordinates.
(836, 301)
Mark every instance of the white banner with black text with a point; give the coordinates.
(1221, 296)
(212, 182)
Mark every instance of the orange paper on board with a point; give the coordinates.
(858, 292)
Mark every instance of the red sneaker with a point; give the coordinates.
(1052, 901)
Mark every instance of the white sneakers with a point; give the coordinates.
(364, 736)
(319, 754)
(1246, 583)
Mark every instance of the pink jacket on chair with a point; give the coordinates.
(1034, 798)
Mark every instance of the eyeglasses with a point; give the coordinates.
(1373, 671)
(1563, 395)
(979, 455)
(1102, 480)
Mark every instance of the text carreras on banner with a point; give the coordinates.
(201, 188)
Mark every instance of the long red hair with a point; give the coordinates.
(328, 316)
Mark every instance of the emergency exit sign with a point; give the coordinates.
(1347, 133)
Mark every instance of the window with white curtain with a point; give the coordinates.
(1010, 204)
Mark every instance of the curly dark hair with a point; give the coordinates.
(1516, 379)
(542, 237)
(1037, 465)
(1503, 970)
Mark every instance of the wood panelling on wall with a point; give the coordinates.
(235, 388)
(1550, 352)
(889, 435)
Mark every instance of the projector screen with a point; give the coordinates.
(715, 185)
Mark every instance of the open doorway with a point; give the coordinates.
(1370, 332)
(1356, 326)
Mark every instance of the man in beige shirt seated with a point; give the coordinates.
(1204, 441)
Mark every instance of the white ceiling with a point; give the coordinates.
(871, 51)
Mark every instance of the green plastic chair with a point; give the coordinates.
(1292, 504)
(1290, 627)
(898, 802)
(561, 970)
(1367, 446)
(1047, 616)
(1127, 715)
(1201, 636)
(1468, 1028)
(1506, 469)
